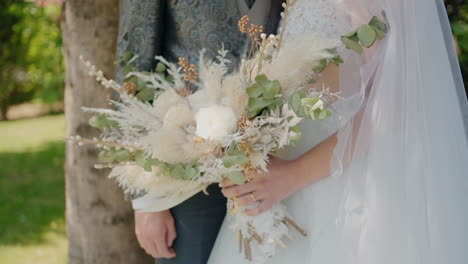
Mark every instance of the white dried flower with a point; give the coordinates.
(215, 122)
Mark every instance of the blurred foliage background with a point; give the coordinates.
(457, 11)
(31, 61)
(32, 187)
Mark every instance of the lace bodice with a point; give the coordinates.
(321, 17)
(325, 20)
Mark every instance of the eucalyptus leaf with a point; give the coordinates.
(146, 94)
(367, 35)
(320, 114)
(295, 100)
(233, 149)
(256, 105)
(170, 78)
(277, 102)
(106, 156)
(323, 64)
(160, 67)
(236, 177)
(352, 45)
(165, 168)
(100, 121)
(178, 171)
(190, 173)
(303, 113)
(141, 84)
(142, 161)
(351, 34)
(272, 89)
(261, 80)
(378, 24)
(240, 158)
(254, 91)
(122, 155)
(126, 69)
(337, 60)
(312, 103)
(379, 34)
(333, 51)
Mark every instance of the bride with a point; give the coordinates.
(385, 180)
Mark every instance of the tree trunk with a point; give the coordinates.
(3, 111)
(99, 222)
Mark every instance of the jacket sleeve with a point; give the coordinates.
(140, 32)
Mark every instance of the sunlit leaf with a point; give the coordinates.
(367, 35)
(147, 94)
(378, 24)
(352, 45)
(100, 121)
(272, 89)
(239, 158)
(254, 91)
(323, 64)
(236, 177)
(160, 67)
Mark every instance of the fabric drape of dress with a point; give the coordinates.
(399, 186)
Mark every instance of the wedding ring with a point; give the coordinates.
(232, 205)
(253, 197)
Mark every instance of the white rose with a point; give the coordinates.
(215, 122)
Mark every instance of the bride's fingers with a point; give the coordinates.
(239, 190)
(249, 199)
(225, 183)
(262, 207)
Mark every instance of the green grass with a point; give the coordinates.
(32, 196)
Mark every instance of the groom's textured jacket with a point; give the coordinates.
(181, 28)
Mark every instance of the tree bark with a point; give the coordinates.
(3, 111)
(99, 222)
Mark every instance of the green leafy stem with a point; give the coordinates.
(366, 35)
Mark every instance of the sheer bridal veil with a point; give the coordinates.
(403, 157)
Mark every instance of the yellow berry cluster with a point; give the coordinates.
(243, 123)
(250, 29)
(190, 70)
(130, 88)
(249, 171)
(198, 140)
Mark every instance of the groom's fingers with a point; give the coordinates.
(150, 249)
(171, 234)
(162, 247)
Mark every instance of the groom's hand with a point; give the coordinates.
(156, 233)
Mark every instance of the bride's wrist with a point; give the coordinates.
(302, 173)
(297, 175)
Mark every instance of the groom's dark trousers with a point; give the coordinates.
(198, 221)
(181, 28)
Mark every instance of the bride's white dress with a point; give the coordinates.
(403, 200)
(321, 199)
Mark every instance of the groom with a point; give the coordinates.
(181, 28)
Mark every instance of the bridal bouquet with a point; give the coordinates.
(180, 128)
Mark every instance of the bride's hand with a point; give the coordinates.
(267, 188)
